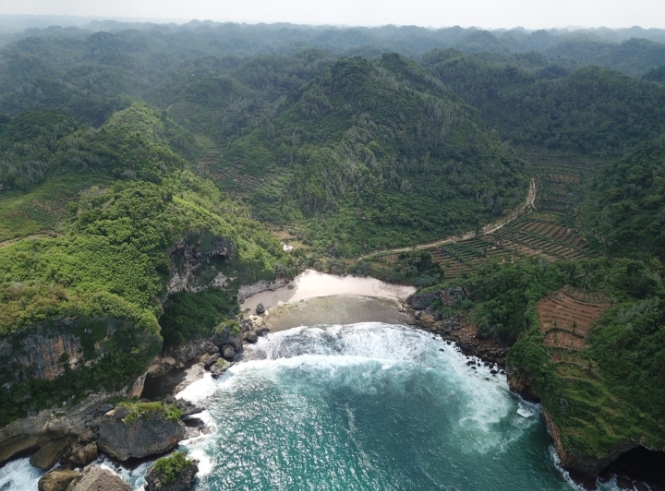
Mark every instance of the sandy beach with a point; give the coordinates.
(317, 298)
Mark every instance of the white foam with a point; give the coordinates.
(20, 475)
(199, 390)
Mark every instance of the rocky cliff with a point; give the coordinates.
(194, 260)
(63, 361)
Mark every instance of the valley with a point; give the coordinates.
(152, 175)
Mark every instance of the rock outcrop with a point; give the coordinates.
(57, 480)
(246, 291)
(192, 256)
(180, 476)
(124, 436)
(229, 344)
(49, 454)
(50, 350)
(95, 479)
(49, 425)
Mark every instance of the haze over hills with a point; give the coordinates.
(148, 171)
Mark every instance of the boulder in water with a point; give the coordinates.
(47, 456)
(250, 336)
(95, 479)
(210, 360)
(80, 454)
(173, 473)
(228, 352)
(220, 368)
(140, 430)
(260, 309)
(57, 480)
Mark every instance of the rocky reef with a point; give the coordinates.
(139, 430)
(91, 479)
(173, 473)
(455, 328)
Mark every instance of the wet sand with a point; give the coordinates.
(335, 309)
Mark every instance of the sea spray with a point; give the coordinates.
(360, 407)
(369, 407)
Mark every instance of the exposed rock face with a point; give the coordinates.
(155, 480)
(246, 291)
(35, 431)
(47, 456)
(43, 351)
(149, 434)
(228, 344)
(41, 355)
(586, 464)
(96, 479)
(186, 353)
(191, 255)
(80, 454)
(57, 480)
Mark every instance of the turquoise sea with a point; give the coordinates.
(366, 406)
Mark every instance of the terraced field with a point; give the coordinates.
(565, 321)
(547, 231)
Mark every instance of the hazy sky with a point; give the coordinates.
(531, 14)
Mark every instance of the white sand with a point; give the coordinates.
(311, 284)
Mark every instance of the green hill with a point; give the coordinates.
(371, 154)
(625, 209)
(122, 208)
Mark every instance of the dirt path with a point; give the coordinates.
(486, 230)
(8, 242)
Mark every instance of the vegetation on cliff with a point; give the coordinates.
(110, 261)
(115, 222)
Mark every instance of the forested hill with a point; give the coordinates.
(371, 154)
(626, 209)
(537, 103)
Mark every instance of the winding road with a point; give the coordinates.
(486, 230)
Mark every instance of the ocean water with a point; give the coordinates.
(367, 406)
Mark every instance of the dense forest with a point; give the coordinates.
(133, 154)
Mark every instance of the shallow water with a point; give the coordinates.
(368, 406)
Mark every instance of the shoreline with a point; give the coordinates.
(315, 298)
(313, 284)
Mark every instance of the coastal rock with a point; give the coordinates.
(95, 479)
(80, 455)
(158, 480)
(260, 309)
(57, 480)
(246, 325)
(34, 431)
(49, 454)
(219, 368)
(225, 338)
(228, 353)
(186, 353)
(149, 434)
(210, 360)
(186, 408)
(250, 336)
(246, 291)
(420, 301)
(262, 331)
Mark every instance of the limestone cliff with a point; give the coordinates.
(63, 361)
(193, 262)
